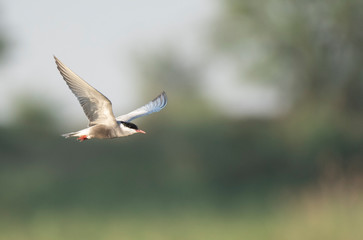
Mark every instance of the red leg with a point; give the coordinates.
(82, 138)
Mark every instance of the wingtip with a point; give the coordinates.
(56, 59)
(59, 64)
(163, 93)
(164, 100)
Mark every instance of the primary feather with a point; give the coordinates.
(153, 106)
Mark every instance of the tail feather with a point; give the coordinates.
(72, 134)
(83, 132)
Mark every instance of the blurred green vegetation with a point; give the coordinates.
(200, 175)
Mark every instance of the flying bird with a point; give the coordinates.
(98, 109)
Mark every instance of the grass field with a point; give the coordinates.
(323, 215)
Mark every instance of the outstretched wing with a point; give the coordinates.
(96, 106)
(153, 106)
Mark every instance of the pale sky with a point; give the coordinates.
(96, 39)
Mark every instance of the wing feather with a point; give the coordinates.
(96, 106)
(153, 106)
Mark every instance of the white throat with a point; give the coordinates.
(126, 131)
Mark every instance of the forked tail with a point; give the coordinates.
(72, 134)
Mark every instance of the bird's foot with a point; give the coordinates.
(82, 138)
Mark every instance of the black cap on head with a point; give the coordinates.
(130, 125)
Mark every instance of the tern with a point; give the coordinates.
(98, 109)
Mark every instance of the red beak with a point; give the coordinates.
(140, 131)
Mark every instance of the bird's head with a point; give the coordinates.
(129, 128)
